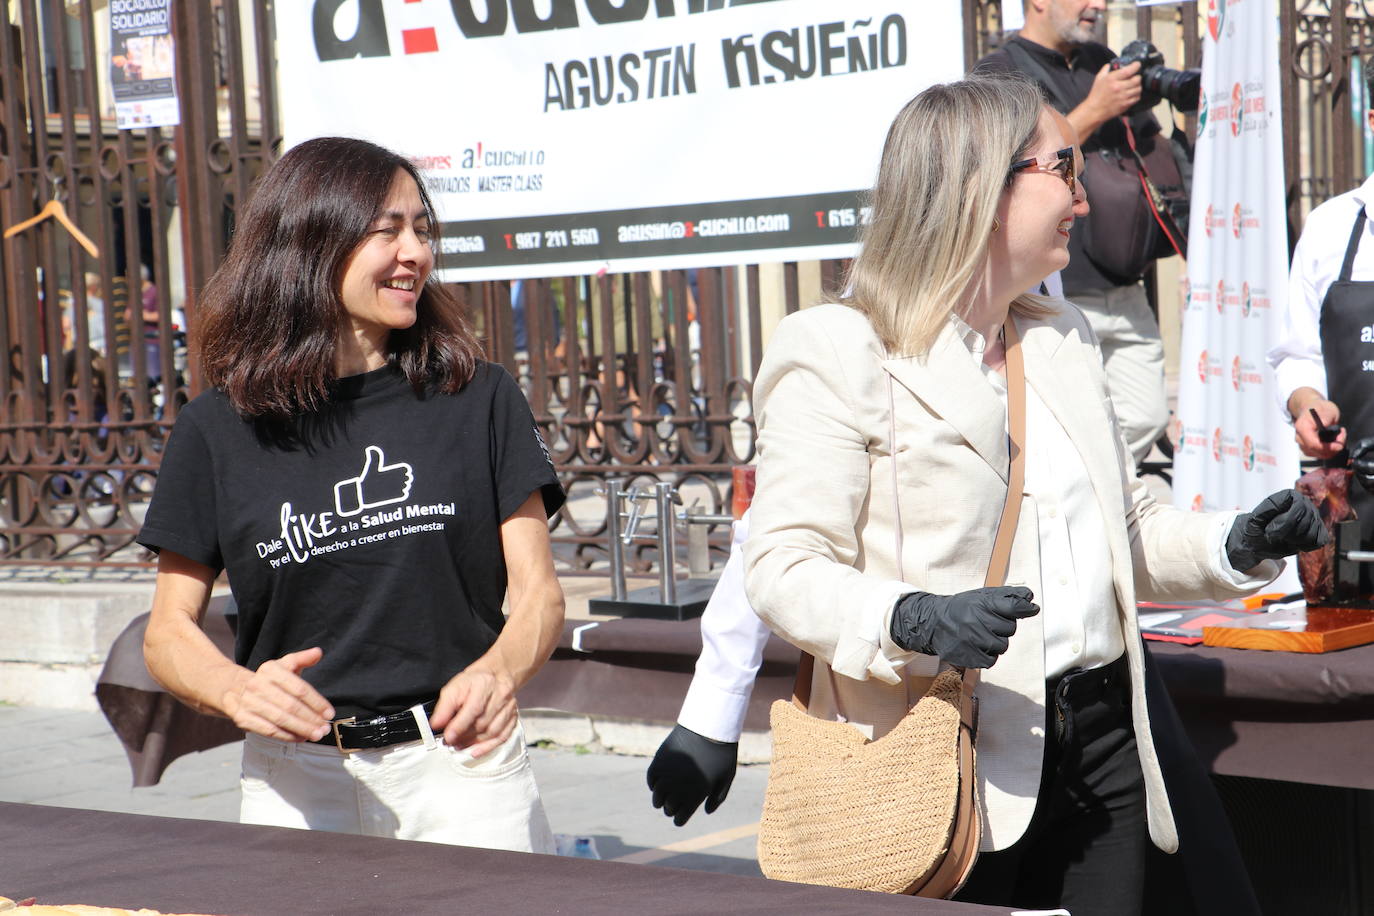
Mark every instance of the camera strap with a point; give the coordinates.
(1152, 195)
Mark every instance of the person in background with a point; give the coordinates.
(95, 313)
(375, 491)
(152, 340)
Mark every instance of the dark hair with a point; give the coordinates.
(270, 316)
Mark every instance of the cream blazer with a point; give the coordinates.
(821, 564)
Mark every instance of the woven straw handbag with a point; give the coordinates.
(899, 814)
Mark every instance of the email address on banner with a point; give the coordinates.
(720, 226)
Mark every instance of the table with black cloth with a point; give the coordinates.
(67, 855)
(1287, 738)
(1266, 715)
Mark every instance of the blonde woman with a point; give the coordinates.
(904, 378)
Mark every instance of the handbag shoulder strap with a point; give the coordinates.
(1016, 477)
(1011, 509)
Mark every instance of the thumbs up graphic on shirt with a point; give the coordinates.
(380, 484)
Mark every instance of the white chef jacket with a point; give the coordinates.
(1297, 357)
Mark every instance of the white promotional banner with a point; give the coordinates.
(569, 136)
(1234, 446)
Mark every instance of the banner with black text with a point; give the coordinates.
(564, 137)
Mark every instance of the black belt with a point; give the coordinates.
(1079, 688)
(350, 735)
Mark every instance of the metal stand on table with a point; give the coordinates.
(1349, 557)
(671, 599)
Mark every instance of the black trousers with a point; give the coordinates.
(1085, 847)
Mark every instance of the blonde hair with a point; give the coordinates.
(945, 163)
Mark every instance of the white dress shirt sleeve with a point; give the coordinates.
(732, 641)
(1297, 357)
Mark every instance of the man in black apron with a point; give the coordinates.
(1324, 365)
(1348, 353)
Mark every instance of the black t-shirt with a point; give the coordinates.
(372, 530)
(1072, 82)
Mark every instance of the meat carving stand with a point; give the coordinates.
(1337, 615)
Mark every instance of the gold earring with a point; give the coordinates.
(996, 224)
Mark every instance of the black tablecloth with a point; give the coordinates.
(1276, 715)
(64, 855)
(1269, 715)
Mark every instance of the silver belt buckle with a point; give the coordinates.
(338, 739)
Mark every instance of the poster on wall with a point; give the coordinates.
(142, 66)
(1234, 447)
(571, 136)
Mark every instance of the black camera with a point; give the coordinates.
(1179, 87)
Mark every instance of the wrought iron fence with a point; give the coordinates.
(1325, 47)
(636, 375)
(639, 376)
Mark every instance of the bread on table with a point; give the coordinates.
(27, 908)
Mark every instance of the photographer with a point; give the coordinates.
(1112, 248)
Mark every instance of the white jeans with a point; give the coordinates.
(407, 791)
(1133, 354)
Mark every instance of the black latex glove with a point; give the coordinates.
(969, 629)
(688, 769)
(1362, 462)
(1285, 523)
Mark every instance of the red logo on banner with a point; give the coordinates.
(1221, 296)
(1247, 454)
(1207, 221)
(1216, 444)
(1235, 373)
(1197, 503)
(1237, 109)
(1202, 366)
(1235, 220)
(1245, 299)
(1216, 18)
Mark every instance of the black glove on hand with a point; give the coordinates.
(969, 629)
(1362, 462)
(1285, 523)
(689, 768)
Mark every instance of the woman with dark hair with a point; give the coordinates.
(374, 491)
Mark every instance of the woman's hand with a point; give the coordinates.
(476, 710)
(276, 702)
(1283, 524)
(970, 629)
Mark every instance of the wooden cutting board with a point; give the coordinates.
(1306, 629)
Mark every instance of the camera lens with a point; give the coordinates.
(1182, 88)
(1179, 87)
